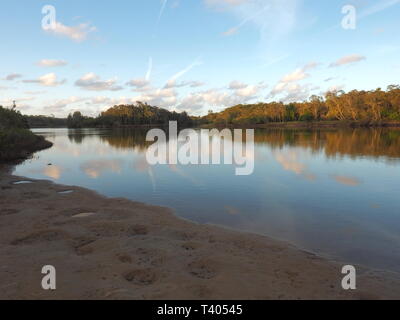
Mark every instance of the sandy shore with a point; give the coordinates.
(106, 248)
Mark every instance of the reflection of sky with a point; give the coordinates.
(343, 207)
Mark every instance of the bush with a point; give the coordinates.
(16, 140)
(16, 144)
(12, 119)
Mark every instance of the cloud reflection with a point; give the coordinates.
(95, 168)
(348, 181)
(53, 172)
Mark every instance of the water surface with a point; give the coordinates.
(334, 192)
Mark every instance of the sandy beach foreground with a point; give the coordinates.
(106, 248)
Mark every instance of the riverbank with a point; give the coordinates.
(311, 124)
(289, 124)
(106, 248)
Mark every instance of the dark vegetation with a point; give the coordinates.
(16, 140)
(46, 122)
(137, 115)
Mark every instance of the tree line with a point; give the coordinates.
(46, 122)
(374, 106)
(139, 114)
(368, 106)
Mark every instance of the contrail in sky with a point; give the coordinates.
(163, 5)
(149, 70)
(378, 8)
(176, 76)
(241, 24)
(187, 69)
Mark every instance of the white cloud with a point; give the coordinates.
(296, 92)
(52, 63)
(100, 100)
(297, 75)
(165, 98)
(288, 84)
(300, 73)
(234, 85)
(13, 76)
(47, 80)
(209, 98)
(336, 88)
(19, 100)
(35, 92)
(22, 103)
(348, 60)
(248, 91)
(77, 33)
(239, 93)
(329, 79)
(57, 106)
(192, 84)
(93, 82)
(138, 83)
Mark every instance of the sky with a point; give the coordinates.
(192, 55)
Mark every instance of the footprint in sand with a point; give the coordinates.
(34, 195)
(124, 258)
(190, 246)
(137, 230)
(183, 235)
(153, 257)
(7, 212)
(41, 236)
(81, 245)
(203, 269)
(107, 228)
(200, 291)
(142, 277)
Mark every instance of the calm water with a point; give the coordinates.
(334, 192)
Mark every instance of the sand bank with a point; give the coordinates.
(105, 248)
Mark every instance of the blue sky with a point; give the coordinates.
(192, 55)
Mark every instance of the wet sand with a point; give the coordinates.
(105, 248)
